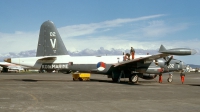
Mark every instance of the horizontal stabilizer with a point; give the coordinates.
(48, 58)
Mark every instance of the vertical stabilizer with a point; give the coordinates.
(162, 49)
(50, 42)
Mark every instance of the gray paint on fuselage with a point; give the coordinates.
(76, 67)
(174, 65)
(89, 68)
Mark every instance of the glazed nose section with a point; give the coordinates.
(193, 52)
(183, 65)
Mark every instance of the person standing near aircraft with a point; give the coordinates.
(124, 56)
(132, 52)
(128, 56)
(160, 78)
(182, 76)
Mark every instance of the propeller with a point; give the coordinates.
(167, 61)
(164, 63)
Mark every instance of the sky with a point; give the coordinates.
(142, 24)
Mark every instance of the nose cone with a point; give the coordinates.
(7, 60)
(193, 52)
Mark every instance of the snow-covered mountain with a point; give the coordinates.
(86, 52)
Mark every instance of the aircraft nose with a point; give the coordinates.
(184, 65)
(193, 51)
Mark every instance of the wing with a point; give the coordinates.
(141, 59)
(5, 65)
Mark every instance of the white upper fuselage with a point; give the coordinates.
(36, 62)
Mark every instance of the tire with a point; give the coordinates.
(133, 78)
(169, 80)
(114, 79)
(80, 79)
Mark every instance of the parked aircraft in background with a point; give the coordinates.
(9, 67)
(52, 55)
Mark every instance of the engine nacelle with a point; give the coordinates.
(160, 62)
(147, 76)
(180, 51)
(151, 69)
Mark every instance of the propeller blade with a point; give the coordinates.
(168, 61)
(156, 61)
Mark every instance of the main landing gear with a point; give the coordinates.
(133, 78)
(169, 79)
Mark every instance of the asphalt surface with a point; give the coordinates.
(56, 92)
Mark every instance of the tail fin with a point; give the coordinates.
(50, 42)
(162, 49)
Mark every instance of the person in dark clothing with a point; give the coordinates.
(132, 52)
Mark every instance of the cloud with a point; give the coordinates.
(18, 41)
(85, 52)
(120, 43)
(117, 34)
(86, 29)
(111, 37)
(159, 28)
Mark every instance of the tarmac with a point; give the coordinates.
(57, 92)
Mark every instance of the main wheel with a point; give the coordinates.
(133, 78)
(80, 79)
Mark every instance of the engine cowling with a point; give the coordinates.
(152, 69)
(147, 76)
(160, 62)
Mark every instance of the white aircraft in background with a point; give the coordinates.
(9, 67)
(52, 55)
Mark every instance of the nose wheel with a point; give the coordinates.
(170, 79)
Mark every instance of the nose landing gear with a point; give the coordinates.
(170, 79)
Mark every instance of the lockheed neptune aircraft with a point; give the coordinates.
(52, 54)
